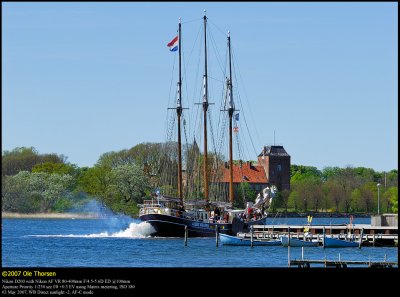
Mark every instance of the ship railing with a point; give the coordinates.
(157, 209)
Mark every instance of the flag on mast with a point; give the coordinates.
(236, 116)
(173, 45)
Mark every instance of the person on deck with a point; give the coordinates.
(217, 213)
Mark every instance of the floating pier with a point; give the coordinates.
(342, 264)
(371, 235)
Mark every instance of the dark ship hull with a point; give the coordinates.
(170, 226)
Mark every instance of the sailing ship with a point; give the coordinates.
(172, 216)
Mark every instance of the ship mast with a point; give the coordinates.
(205, 108)
(179, 113)
(231, 109)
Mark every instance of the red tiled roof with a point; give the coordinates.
(251, 174)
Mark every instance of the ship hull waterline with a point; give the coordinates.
(170, 226)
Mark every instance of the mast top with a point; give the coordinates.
(229, 33)
(204, 12)
(179, 20)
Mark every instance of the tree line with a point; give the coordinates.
(34, 182)
(348, 190)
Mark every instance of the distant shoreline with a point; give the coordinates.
(15, 215)
(320, 215)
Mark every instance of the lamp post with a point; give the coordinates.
(378, 185)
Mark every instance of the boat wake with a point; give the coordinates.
(135, 230)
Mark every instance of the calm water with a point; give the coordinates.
(122, 242)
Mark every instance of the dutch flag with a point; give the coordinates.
(173, 45)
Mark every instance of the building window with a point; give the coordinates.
(279, 168)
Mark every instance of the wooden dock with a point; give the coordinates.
(371, 235)
(342, 264)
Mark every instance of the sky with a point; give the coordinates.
(81, 79)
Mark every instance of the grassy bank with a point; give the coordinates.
(15, 215)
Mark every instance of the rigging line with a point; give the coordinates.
(216, 79)
(194, 44)
(220, 30)
(189, 100)
(223, 119)
(222, 101)
(244, 150)
(241, 106)
(170, 88)
(196, 85)
(191, 21)
(187, 92)
(223, 93)
(221, 115)
(198, 111)
(217, 55)
(241, 169)
(185, 82)
(198, 179)
(186, 152)
(212, 135)
(221, 105)
(245, 95)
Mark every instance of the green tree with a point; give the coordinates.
(392, 178)
(59, 168)
(294, 200)
(300, 172)
(369, 194)
(335, 193)
(244, 191)
(285, 198)
(95, 181)
(49, 187)
(326, 201)
(330, 172)
(392, 195)
(15, 195)
(25, 158)
(130, 182)
(314, 192)
(32, 192)
(356, 200)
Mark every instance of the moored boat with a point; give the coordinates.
(335, 242)
(294, 242)
(234, 240)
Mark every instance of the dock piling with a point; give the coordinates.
(251, 235)
(288, 248)
(361, 237)
(186, 235)
(216, 235)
